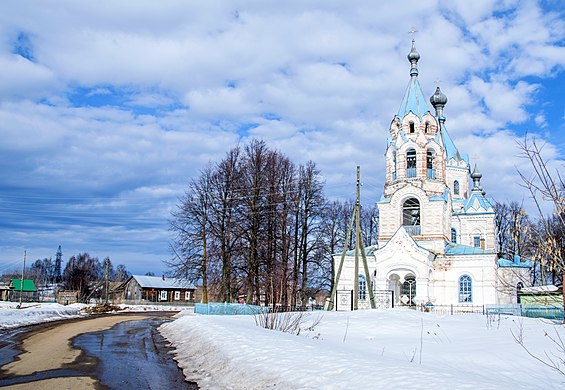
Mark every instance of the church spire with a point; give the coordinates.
(414, 100)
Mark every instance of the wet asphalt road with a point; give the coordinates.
(130, 355)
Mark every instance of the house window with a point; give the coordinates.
(177, 295)
(454, 235)
(163, 295)
(456, 187)
(430, 164)
(465, 289)
(411, 127)
(187, 296)
(411, 163)
(362, 288)
(477, 241)
(411, 216)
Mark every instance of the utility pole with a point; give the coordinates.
(106, 271)
(359, 247)
(22, 282)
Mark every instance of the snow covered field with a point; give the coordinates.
(380, 349)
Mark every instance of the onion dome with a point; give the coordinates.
(476, 176)
(413, 55)
(438, 98)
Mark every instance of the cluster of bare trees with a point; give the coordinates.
(539, 237)
(86, 274)
(257, 227)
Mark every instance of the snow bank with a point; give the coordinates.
(379, 349)
(35, 313)
(141, 308)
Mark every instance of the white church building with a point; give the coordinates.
(437, 233)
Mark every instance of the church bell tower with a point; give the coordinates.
(416, 193)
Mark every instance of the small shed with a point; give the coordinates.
(28, 290)
(548, 295)
(145, 289)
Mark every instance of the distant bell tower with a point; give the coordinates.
(58, 261)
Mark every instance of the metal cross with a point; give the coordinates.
(437, 82)
(413, 32)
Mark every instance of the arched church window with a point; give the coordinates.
(430, 157)
(411, 163)
(477, 241)
(411, 216)
(465, 289)
(427, 127)
(362, 288)
(456, 187)
(411, 128)
(454, 235)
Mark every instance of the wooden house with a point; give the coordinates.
(28, 290)
(140, 289)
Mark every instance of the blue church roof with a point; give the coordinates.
(478, 200)
(516, 263)
(414, 100)
(450, 148)
(458, 249)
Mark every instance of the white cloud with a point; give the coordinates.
(319, 81)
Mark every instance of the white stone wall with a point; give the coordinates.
(448, 270)
(470, 225)
(507, 282)
(458, 171)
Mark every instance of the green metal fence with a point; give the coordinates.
(228, 309)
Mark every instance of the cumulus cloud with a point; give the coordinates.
(105, 116)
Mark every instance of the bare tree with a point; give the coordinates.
(189, 224)
(546, 185)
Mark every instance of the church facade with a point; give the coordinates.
(437, 233)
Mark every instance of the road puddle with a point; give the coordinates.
(129, 354)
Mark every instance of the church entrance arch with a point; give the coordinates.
(403, 283)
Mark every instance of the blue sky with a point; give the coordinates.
(108, 109)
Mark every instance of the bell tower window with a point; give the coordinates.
(456, 187)
(427, 127)
(411, 131)
(411, 163)
(411, 216)
(430, 164)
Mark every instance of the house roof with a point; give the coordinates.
(162, 282)
(550, 288)
(29, 286)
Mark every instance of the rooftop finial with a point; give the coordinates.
(476, 176)
(413, 56)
